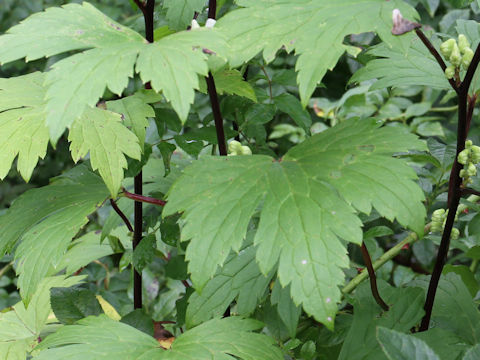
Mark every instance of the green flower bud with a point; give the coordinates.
(450, 72)
(463, 156)
(447, 47)
(463, 43)
(246, 150)
(234, 148)
(455, 234)
(455, 56)
(436, 227)
(475, 154)
(471, 170)
(468, 144)
(463, 173)
(467, 58)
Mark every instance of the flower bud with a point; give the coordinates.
(467, 58)
(455, 234)
(463, 173)
(455, 56)
(475, 151)
(234, 148)
(246, 150)
(463, 156)
(447, 47)
(450, 72)
(468, 144)
(463, 43)
(471, 170)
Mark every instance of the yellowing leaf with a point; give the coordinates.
(108, 309)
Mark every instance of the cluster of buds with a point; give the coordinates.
(458, 53)
(439, 217)
(469, 157)
(236, 148)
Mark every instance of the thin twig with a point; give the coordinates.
(373, 279)
(142, 198)
(471, 106)
(121, 214)
(468, 191)
(269, 82)
(435, 54)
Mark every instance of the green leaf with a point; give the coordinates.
(467, 276)
(20, 327)
(453, 297)
(144, 253)
(83, 251)
(230, 81)
(101, 133)
(173, 63)
(290, 105)
(398, 346)
(396, 66)
(445, 343)
(473, 353)
(406, 310)
(288, 311)
(22, 123)
(239, 278)
(180, 12)
(102, 338)
(46, 219)
(315, 29)
(134, 114)
(76, 83)
(309, 201)
(74, 303)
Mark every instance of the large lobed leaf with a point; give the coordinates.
(315, 29)
(102, 338)
(172, 64)
(309, 201)
(45, 220)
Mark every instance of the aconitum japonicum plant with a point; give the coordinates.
(219, 202)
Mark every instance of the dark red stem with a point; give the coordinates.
(455, 187)
(142, 198)
(373, 279)
(121, 214)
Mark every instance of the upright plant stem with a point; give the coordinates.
(147, 9)
(455, 184)
(212, 93)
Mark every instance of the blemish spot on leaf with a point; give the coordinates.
(328, 300)
(304, 262)
(367, 148)
(348, 159)
(335, 174)
(329, 319)
(79, 32)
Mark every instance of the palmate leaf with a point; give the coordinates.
(315, 29)
(309, 202)
(46, 219)
(172, 64)
(402, 66)
(20, 327)
(102, 133)
(98, 338)
(22, 123)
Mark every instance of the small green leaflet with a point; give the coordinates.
(111, 51)
(100, 338)
(22, 123)
(230, 81)
(46, 219)
(315, 29)
(397, 66)
(310, 199)
(180, 12)
(239, 278)
(102, 133)
(20, 327)
(134, 112)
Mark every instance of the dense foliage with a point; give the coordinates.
(297, 180)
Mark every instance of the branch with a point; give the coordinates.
(145, 199)
(467, 80)
(468, 191)
(389, 255)
(121, 214)
(435, 54)
(373, 279)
